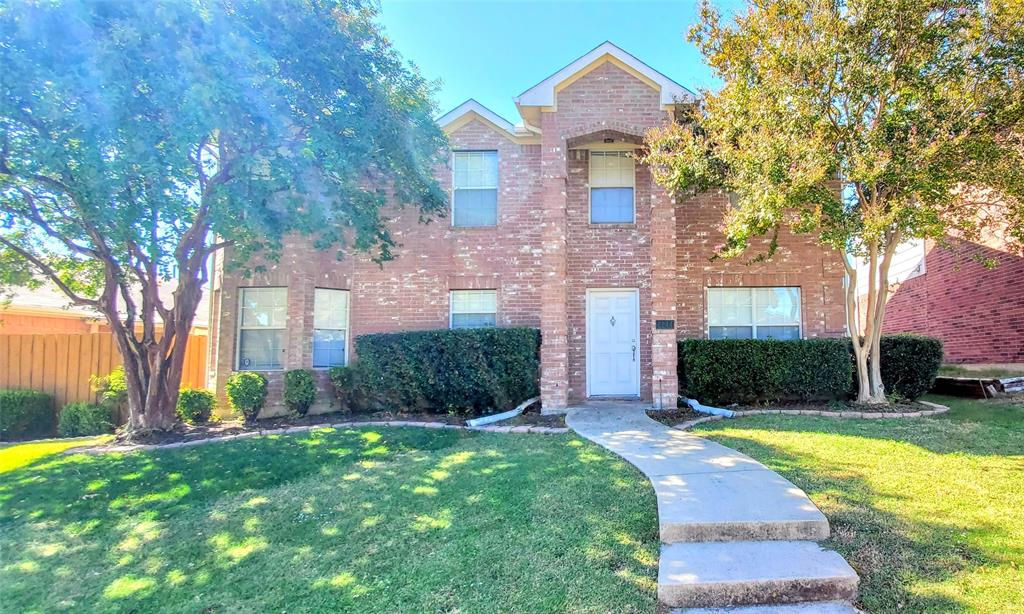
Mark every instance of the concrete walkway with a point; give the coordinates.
(734, 532)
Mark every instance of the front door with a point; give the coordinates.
(613, 351)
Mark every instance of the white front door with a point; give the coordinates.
(613, 349)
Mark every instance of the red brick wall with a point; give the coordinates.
(544, 254)
(977, 312)
(799, 261)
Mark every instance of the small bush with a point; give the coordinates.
(112, 390)
(349, 386)
(464, 372)
(25, 414)
(80, 418)
(910, 364)
(299, 390)
(765, 370)
(195, 405)
(246, 392)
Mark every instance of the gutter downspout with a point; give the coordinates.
(706, 409)
(512, 413)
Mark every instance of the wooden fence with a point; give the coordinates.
(61, 364)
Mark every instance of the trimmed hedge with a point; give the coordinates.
(25, 414)
(80, 418)
(299, 390)
(195, 405)
(910, 364)
(246, 392)
(466, 372)
(751, 370)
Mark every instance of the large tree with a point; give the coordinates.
(864, 122)
(137, 138)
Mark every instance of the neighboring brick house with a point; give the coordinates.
(553, 226)
(949, 292)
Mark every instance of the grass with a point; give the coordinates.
(362, 520)
(991, 373)
(18, 455)
(930, 512)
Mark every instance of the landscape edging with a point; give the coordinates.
(115, 449)
(842, 415)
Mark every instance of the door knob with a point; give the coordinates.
(634, 352)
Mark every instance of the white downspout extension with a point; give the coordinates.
(707, 409)
(512, 413)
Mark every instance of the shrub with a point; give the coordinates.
(25, 414)
(349, 386)
(195, 405)
(299, 390)
(748, 370)
(112, 390)
(910, 364)
(464, 372)
(246, 392)
(80, 418)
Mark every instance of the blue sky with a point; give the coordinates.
(492, 51)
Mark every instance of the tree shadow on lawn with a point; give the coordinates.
(359, 520)
(901, 551)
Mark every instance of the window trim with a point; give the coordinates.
(753, 308)
(590, 186)
(497, 188)
(348, 328)
(239, 328)
(451, 304)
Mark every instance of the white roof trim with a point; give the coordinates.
(543, 94)
(472, 106)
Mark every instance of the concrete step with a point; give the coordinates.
(813, 607)
(723, 574)
(751, 505)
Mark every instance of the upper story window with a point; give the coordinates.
(330, 328)
(261, 324)
(753, 313)
(611, 187)
(475, 188)
(474, 308)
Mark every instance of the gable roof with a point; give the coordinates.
(471, 109)
(543, 94)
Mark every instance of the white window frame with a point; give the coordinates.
(497, 187)
(347, 329)
(239, 327)
(590, 184)
(451, 305)
(753, 308)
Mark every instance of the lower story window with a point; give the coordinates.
(261, 324)
(330, 328)
(753, 313)
(474, 308)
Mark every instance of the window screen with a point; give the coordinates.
(261, 324)
(611, 187)
(753, 313)
(474, 308)
(475, 188)
(330, 327)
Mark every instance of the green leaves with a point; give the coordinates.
(906, 103)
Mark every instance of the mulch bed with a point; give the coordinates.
(186, 432)
(835, 406)
(672, 417)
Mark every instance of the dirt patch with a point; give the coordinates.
(188, 432)
(672, 417)
(837, 406)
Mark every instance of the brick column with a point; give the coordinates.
(554, 323)
(664, 356)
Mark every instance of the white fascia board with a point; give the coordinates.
(472, 106)
(543, 94)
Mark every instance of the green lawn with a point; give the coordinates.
(930, 512)
(385, 520)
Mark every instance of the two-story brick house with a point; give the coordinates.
(553, 225)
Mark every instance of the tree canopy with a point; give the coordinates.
(137, 138)
(864, 122)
